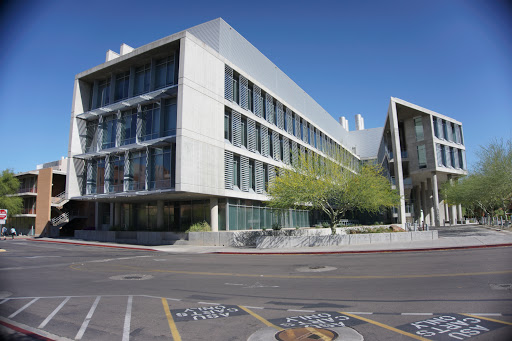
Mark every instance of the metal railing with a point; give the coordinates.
(32, 189)
(63, 218)
(59, 198)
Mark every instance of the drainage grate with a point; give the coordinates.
(306, 334)
(131, 277)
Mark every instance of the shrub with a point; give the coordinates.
(199, 227)
(276, 226)
(326, 224)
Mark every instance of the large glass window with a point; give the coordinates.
(236, 171)
(117, 173)
(258, 138)
(452, 157)
(418, 128)
(150, 121)
(103, 95)
(227, 125)
(244, 132)
(169, 112)
(461, 159)
(137, 173)
(164, 73)
(91, 177)
(445, 130)
(91, 136)
(109, 132)
(122, 81)
(236, 91)
(160, 171)
(142, 79)
(100, 176)
(129, 127)
(436, 128)
(422, 157)
(270, 144)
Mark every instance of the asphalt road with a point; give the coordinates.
(97, 293)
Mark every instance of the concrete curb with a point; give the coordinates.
(95, 244)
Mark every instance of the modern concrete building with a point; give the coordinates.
(192, 127)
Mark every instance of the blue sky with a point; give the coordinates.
(453, 57)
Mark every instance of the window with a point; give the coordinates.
(227, 125)
(100, 176)
(160, 170)
(293, 125)
(169, 117)
(445, 130)
(275, 115)
(122, 81)
(439, 155)
(236, 92)
(452, 157)
(91, 135)
(150, 121)
(129, 127)
(422, 156)
(436, 128)
(301, 129)
(285, 119)
(281, 148)
(314, 135)
(117, 176)
(258, 138)
(263, 107)
(103, 97)
(164, 72)
(236, 171)
(252, 175)
(142, 79)
(265, 176)
(109, 132)
(453, 133)
(418, 128)
(461, 159)
(137, 172)
(320, 142)
(459, 131)
(249, 98)
(244, 132)
(270, 144)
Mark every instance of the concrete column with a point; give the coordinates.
(459, 214)
(111, 222)
(446, 212)
(214, 214)
(160, 214)
(418, 205)
(424, 205)
(453, 215)
(117, 214)
(435, 199)
(430, 202)
(97, 216)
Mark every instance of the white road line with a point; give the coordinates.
(23, 308)
(209, 303)
(87, 319)
(359, 313)
(48, 319)
(112, 259)
(420, 314)
(248, 306)
(302, 311)
(127, 319)
(485, 314)
(5, 300)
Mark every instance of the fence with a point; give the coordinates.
(254, 218)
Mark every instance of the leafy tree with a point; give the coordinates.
(489, 186)
(9, 185)
(331, 186)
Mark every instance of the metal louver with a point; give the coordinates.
(264, 141)
(269, 103)
(228, 83)
(100, 133)
(286, 150)
(271, 173)
(276, 146)
(147, 169)
(119, 129)
(244, 173)
(260, 180)
(236, 121)
(258, 110)
(289, 127)
(244, 85)
(251, 135)
(295, 154)
(126, 175)
(228, 170)
(108, 174)
(297, 126)
(280, 115)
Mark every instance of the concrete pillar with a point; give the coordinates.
(111, 221)
(430, 202)
(117, 214)
(460, 218)
(424, 205)
(160, 214)
(453, 215)
(214, 214)
(436, 200)
(418, 205)
(97, 216)
(446, 212)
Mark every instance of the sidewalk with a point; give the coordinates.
(482, 238)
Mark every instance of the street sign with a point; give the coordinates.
(3, 216)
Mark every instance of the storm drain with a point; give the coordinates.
(306, 334)
(506, 286)
(133, 277)
(315, 268)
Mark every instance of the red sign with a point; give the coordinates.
(3, 214)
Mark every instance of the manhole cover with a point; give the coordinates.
(133, 277)
(316, 268)
(506, 286)
(306, 334)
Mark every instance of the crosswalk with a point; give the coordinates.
(145, 317)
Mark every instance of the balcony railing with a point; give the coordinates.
(28, 211)
(160, 184)
(27, 190)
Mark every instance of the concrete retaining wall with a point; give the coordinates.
(268, 242)
(130, 237)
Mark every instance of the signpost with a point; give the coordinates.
(3, 216)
